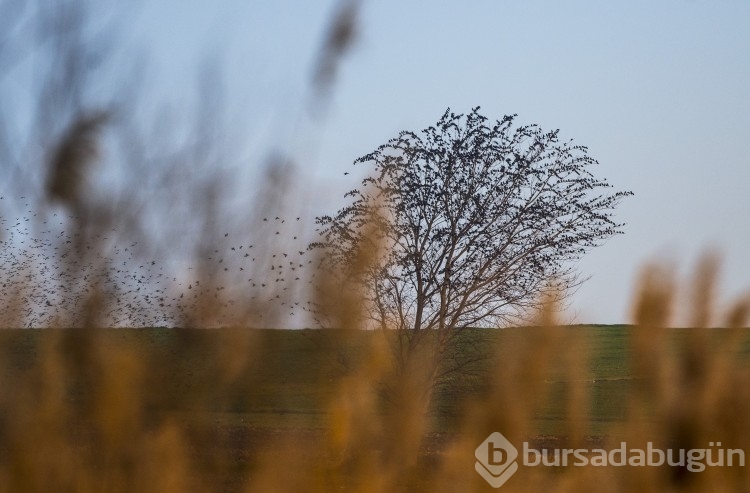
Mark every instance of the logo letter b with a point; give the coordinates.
(496, 456)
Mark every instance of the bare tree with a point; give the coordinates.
(475, 222)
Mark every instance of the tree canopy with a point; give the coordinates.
(473, 221)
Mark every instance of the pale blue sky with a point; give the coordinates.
(658, 91)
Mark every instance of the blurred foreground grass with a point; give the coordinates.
(173, 410)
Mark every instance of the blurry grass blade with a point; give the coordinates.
(339, 38)
(69, 163)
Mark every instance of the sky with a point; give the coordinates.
(658, 91)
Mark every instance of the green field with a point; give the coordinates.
(292, 375)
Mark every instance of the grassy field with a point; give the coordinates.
(294, 374)
(275, 410)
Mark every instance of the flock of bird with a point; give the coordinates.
(55, 275)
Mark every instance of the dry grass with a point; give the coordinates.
(90, 415)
